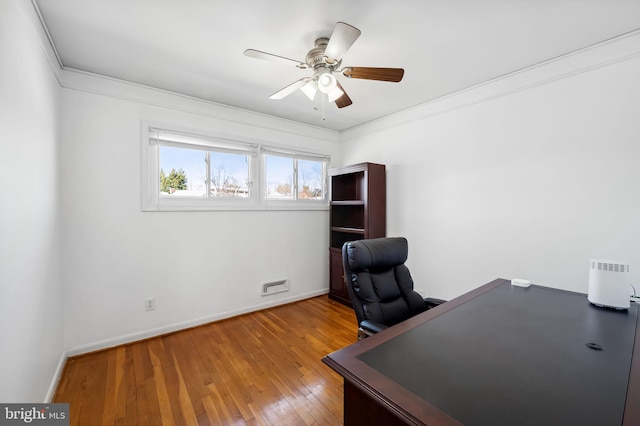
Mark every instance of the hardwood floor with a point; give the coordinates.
(262, 368)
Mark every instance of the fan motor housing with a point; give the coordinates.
(316, 56)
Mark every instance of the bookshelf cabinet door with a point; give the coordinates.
(337, 288)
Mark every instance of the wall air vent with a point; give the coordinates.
(274, 287)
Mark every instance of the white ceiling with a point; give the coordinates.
(195, 47)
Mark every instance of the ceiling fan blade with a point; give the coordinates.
(289, 89)
(344, 100)
(252, 53)
(343, 36)
(382, 74)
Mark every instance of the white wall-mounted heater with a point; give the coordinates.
(609, 284)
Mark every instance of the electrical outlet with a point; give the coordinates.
(150, 304)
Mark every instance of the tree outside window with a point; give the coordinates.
(176, 180)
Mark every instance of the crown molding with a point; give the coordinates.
(134, 92)
(70, 78)
(31, 11)
(619, 49)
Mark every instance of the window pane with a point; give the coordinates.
(279, 177)
(182, 172)
(229, 175)
(310, 180)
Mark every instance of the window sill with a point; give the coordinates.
(266, 206)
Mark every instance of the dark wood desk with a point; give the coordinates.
(498, 355)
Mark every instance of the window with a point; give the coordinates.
(310, 180)
(228, 175)
(293, 178)
(183, 171)
(190, 172)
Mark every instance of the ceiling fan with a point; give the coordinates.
(325, 59)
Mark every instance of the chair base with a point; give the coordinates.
(363, 334)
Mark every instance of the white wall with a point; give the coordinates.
(528, 176)
(31, 334)
(200, 266)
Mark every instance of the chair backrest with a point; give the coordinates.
(379, 283)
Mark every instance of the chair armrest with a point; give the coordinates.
(372, 327)
(432, 302)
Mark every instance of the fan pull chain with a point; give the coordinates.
(323, 117)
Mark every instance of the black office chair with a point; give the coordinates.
(379, 284)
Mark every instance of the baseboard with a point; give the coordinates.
(130, 338)
(56, 378)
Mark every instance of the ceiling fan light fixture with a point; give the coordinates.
(327, 82)
(325, 59)
(310, 89)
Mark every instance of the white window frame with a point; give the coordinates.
(153, 136)
(295, 155)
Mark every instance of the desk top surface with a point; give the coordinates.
(513, 355)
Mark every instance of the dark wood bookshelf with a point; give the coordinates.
(357, 211)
